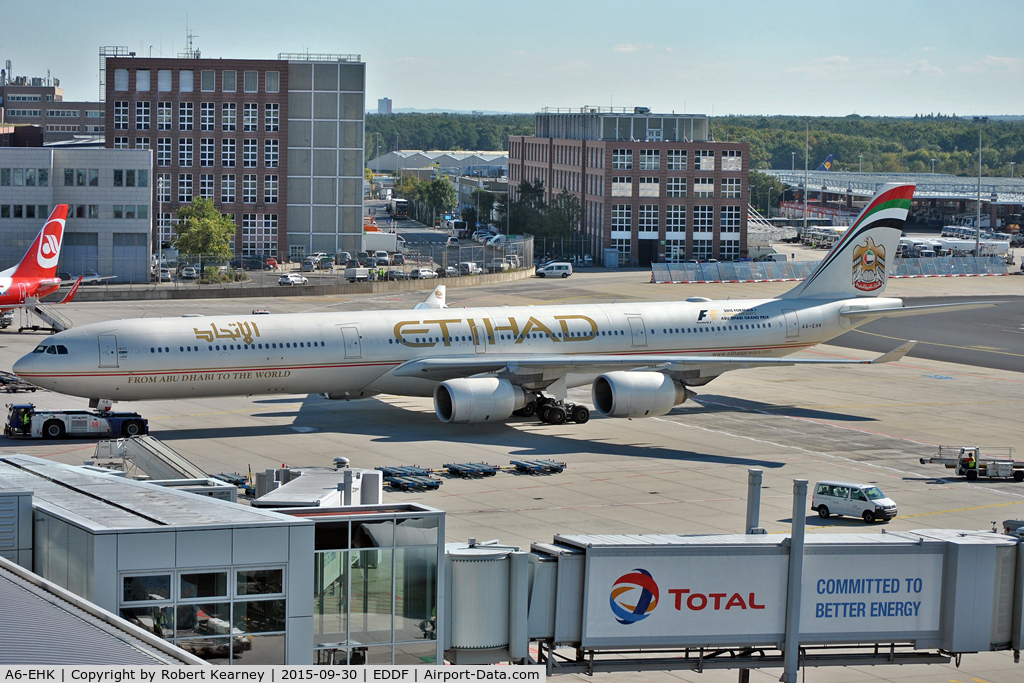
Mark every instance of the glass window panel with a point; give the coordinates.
(206, 619)
(138, 588)
(259, 650)
(213, 650)
(370, 579)
(418, 653)
(260, 581)
(204, 585)
(143, 177)
(19, 177)
(373, 534)
(259, 616)
(417, 531)
(330, 598)
(157, 620)
(376, 655)
(5, 176)
(30, 177)
(44, 177)
(415, 593)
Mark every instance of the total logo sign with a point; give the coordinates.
(49, 244)
(662, 598)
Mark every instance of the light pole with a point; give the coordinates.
(980, 120)
(933, 166)
(794, 161)
(159, 220)
(807, 154)
(1012, 164)
(861, 162)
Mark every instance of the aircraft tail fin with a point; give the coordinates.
(858, 265)
(825, 165)
(436, 299)
(40, 261)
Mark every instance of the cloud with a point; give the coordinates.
(927, 49)
(632, 47)
(991, 63)
(922, 66)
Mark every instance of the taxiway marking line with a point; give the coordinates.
(947, 346)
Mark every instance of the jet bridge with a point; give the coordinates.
(596, 603)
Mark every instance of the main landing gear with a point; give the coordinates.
(554, 411)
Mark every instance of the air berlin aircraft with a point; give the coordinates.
(36, 275)
(486, 364)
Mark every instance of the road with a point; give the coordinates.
(990, 337)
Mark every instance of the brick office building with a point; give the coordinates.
(654, 187)
(34, 101)
(277, 144)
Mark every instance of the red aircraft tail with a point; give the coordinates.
(40, 260)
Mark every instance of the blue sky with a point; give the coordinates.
(808, 58)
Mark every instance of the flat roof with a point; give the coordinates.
(105, 503)
(929, 185)
(672, 540)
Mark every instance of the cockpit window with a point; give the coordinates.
(51, 349)
(39, 349)
(61, 349)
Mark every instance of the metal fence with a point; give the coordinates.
(761, 271)
(578, 249)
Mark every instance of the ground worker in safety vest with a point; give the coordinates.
(970, 463)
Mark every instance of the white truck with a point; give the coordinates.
(23, 420)
(380, 241)
(973, 462)
(357, 274)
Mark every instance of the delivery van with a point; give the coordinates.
(855, 500)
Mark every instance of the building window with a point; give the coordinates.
(227, 189)
(650, 160)
(207, 81)
(227, 152)
(163, 187)
(623, 247)
(730, 219)
(703, 249)
(142, 115)
(703, 219)
(163, 115)
(259, 234)
(676, 159)
(120, 143)
(704, 160)
(647, 218)
(229, 115)
(251, 81)
(207, 115)
(622, 217)
(186, 112)
(120, 116)
(272, 117)
(163, 151)
(185, 152)
(675, 250)
(143, 176)
(729, 250)
(228, 81)
(184, 188)
(163, 80)
(732, 188)
(206, 151)
(165, 228)
(248, 189)
(270, 189)
(186, 80)
(732, 160)
(141, 143)
(622, 186)
(273, 81)
(249, 152)
(206, 185)
(675, 188)
(675, 218)
(703, 187)
(142, 80)
(622, 159)
(271, 153)
(650, 187)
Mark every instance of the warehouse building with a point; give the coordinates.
(652, 187)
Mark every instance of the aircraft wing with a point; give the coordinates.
(441, 369)
(857, 316)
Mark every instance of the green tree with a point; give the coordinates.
(485, 201)
(367, 174)
(761, 185)
(562, 216)
(203, 230)
(440, 195)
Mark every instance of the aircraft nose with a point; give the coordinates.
(22, 365)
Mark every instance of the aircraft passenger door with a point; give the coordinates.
(636, 326)
(792, 325)
(22, 292)
(479, 338)
(351, 337)
(108, 350)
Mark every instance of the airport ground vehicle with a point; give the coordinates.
(23, 420)
(380, 241)
(856, 500)
(292, 279)
(470, 268)
(357, 274)
(400, 208)
(556, 269)
(973, 462)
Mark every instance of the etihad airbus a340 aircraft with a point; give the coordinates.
(484, 364)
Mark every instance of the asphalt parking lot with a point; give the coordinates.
(681, 473)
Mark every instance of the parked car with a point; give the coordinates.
(452, 242)
(383, 262)
(451, 271)
(422, 274)
(272, 263)
(165, 275)
(382, 254)
(343, 257)
(496, 241)
(856, 500)
(188, 273)
(292, 279)
(555, 269)
(395, 275)
(308, 266)
(398, 259)
(470, 268)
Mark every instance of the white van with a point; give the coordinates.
(555, 269)
(856, 500)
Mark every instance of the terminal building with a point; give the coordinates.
(40, 102)
(653, 187)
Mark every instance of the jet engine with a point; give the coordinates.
(477, 399)
(637, 394)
